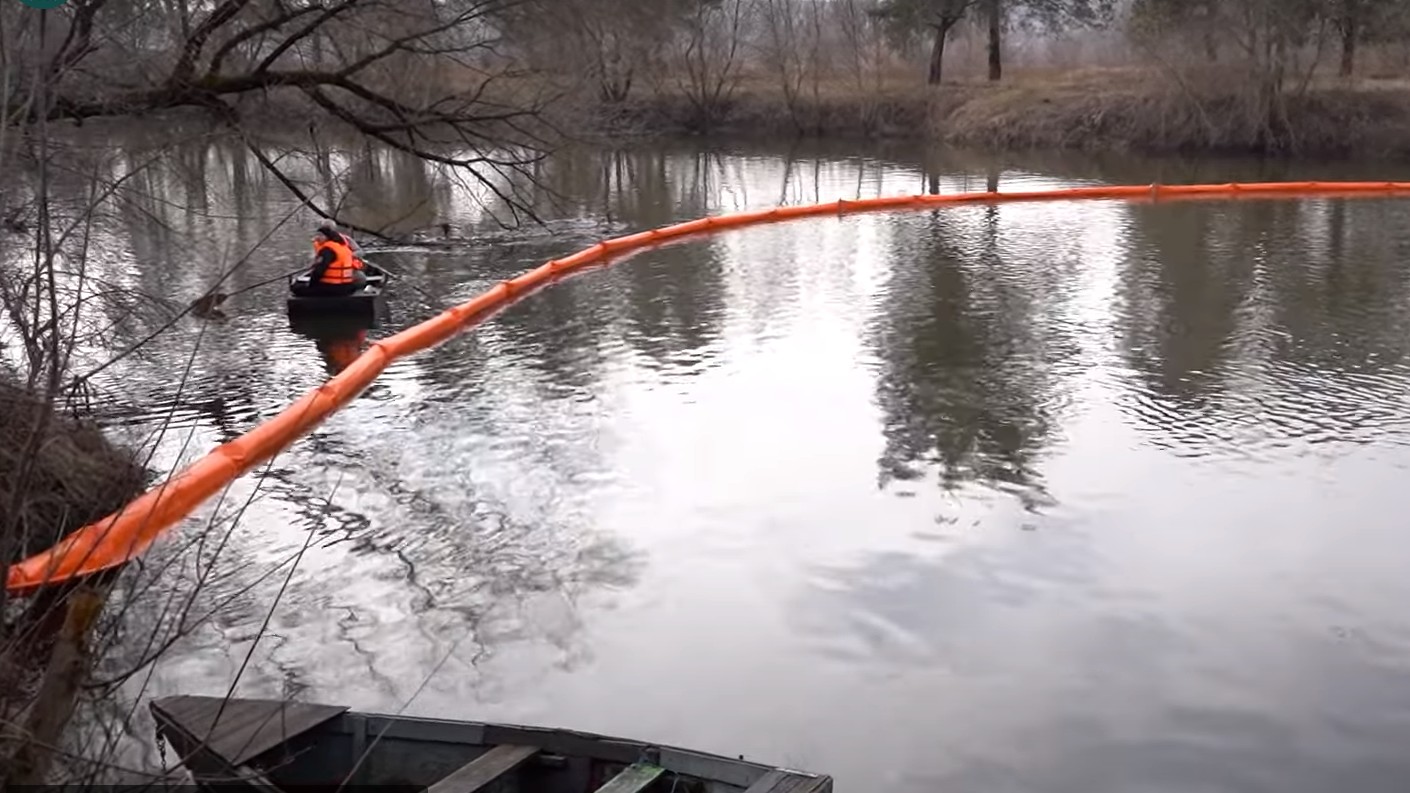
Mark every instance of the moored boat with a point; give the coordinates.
(274, 745)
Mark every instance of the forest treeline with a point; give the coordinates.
(1155, 74)
(1318, 76)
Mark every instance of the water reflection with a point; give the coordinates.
(984, 338)
(1264, 324)
(1132, 460)
(338, 339)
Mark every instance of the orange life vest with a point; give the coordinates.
(357, 262)
(343, 266)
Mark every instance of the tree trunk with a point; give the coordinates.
(996, 58)
(1349, 34)
(937, 49)
(937, 56)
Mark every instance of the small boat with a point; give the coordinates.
(367, 300)
(277, 745)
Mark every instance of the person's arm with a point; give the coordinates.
(325, 259)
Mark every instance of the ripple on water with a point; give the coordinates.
(1061, 497)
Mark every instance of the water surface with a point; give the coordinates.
(1063, 497)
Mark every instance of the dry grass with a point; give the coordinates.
(891, 106)
(1142, 111)
(1135, 109)
(834, 112)
(1130, 109)
(76, 477)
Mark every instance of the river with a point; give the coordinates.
(1064, 497)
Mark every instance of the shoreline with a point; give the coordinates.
(77, 475)
(1117, 110)
(1085, 111)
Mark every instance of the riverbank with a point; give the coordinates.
(57, 473)
(1125, 110)
(68, 476)
(1092, 110)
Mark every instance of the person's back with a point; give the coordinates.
(335, 271)
(352, 246)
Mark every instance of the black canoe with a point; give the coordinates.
(366, 300)
(273, 746)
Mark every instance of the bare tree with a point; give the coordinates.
(939, 17)
(1359, 21)
(865, 45)
(792, 49)
(1275, 46)
(607, 42)
(422, 77)
(705, 55)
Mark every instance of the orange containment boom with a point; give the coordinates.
(126, 534)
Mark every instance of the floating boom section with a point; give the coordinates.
(126, 534)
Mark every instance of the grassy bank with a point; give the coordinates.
(1127, 110)
(1096, 110)
(1137, 111)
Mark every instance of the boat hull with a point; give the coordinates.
(363, 302)
(274, 745)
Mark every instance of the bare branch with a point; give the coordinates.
(223, 13)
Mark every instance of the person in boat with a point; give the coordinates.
(347, 240)
(352, 246)
(336, 269)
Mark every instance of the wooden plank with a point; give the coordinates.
(739, 773)
(633, 779)
(246, 727)
(480, 772)
(568, 742)
(781, 781)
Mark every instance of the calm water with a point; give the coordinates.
(1068, 497)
